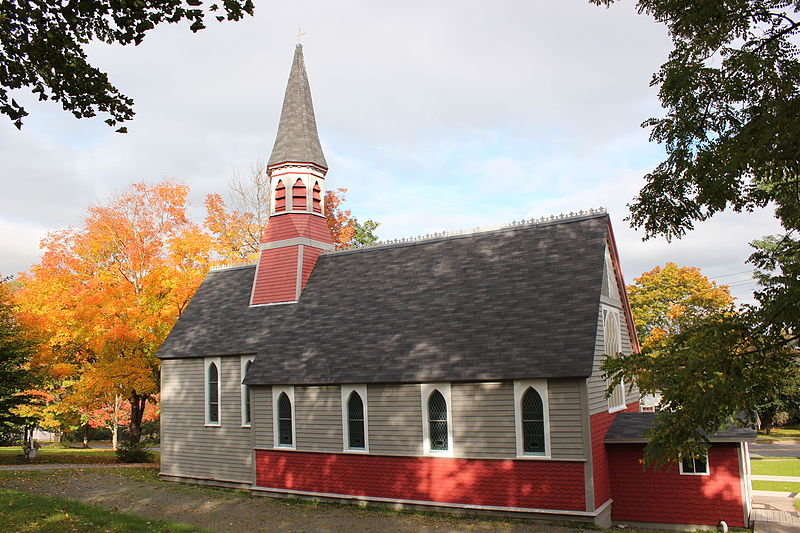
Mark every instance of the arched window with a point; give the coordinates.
(284, 420)
(437, 421)
(355, 421)
(532, 422)
(317, 198)
(280, 197)
(213, 394)
(299, 196)
(612, 345)
(247, 416)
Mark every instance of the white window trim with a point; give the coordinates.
(276, 392)
(244, 360)
(610, 309)
(346, 391)
(706, 473)
(425, 391)
(206, 364)
(540, 386)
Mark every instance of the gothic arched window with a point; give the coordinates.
(533, 422)
(299, 196)
(284, 420)
(213, 394)
(317, 198)
(437, 420)
(280, 197)
(355, 421)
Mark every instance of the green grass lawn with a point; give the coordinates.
(12, 455)
(778, 486)
(788, 432)
(783, 467)
(31, 513)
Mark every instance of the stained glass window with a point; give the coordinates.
(355, 421)
(284, 420)
(437, 419)
(533, 422)
(213, 394)
(246, 392)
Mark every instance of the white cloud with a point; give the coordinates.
(435, 115)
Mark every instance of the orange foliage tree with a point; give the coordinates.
(107, 293)
(666, 297)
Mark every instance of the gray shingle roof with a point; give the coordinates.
(633, 427)
(516, 303)
(297, 139)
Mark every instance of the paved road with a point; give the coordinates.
(776, 449)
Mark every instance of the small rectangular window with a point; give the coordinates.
(694, 465)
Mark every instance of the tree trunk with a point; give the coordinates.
(138, 402)
(86, 436)
(114, 429)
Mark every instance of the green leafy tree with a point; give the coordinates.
(16, 349)
(731, 131)
(364, 234)
(43, 48)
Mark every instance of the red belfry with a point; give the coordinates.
(297, 233)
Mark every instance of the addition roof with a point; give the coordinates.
(633, 428)
(516, 303)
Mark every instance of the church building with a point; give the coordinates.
(453, 371)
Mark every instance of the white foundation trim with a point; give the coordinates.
(437, 504)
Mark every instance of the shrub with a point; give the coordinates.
(134, 454)
(781, 418)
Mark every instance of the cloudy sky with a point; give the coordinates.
(435, 115)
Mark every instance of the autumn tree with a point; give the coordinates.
(237, 230)
(730, 90)
(43, 48)
(666, 297)
(109, 291)
(345, 229)
(16, 349)
(712, 364)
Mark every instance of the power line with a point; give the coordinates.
(733, 274)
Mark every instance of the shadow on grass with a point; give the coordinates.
(46, 514)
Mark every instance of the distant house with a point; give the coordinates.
(456, 371)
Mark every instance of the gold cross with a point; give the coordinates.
(300, 33)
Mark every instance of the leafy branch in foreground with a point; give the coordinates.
(715, 372)
(43, 48)
(731, 129)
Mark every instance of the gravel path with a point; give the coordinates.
(237, 511)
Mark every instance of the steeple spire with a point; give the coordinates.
(297, 232)
(297, 140)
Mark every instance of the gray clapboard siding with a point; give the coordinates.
(318, 412)
(596, 384)
(188, 448)
(262, 417)
(483, 420)
(395, 419)
(566, 434)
